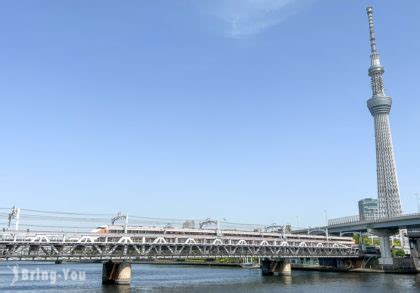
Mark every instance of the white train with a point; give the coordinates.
(183, 235)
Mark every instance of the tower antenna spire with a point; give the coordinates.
(376, 70)
(371, 30)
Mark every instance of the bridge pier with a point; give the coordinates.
(281, 267)
(385, 248)
(117, 273)
(415, 247)
(415, 252)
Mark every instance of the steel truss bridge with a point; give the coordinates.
(28, 246)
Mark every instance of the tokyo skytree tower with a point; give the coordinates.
(379, 106)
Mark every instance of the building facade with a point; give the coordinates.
(368, 209)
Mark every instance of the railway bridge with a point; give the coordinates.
(118, 246)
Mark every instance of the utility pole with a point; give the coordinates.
(14, 214)
(121, 216)
(17, 219)
(126, 224)
(326, 224)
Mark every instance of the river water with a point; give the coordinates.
(44, 277)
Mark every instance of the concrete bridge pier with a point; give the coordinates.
(280, 266)
(116, 273)
(415, 252)
(385, 247)
(415, 247)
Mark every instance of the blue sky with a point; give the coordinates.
(254, 111)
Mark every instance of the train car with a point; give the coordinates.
(227, 236)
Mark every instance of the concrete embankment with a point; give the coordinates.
(354, 270)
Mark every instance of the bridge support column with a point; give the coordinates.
(386, 253)
(118, 273)
(415, 252)
(415, 247)
(281, 267)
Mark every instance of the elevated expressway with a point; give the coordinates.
(380, 227)
(342, 226)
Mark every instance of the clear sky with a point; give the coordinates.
(254, 111)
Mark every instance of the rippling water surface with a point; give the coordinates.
(30, 277)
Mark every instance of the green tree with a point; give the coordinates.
(356, 238)
(398, 253)
(367, 241)
(397, 243)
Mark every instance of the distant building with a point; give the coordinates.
(189, 224)
(368, 209)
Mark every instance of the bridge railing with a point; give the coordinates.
(344, 220)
